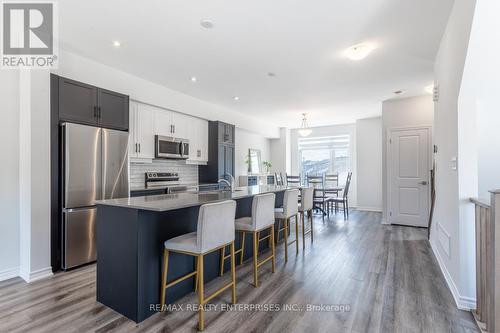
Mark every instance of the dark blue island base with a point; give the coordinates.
(130, 248)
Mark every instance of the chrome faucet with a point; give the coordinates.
(229, 183)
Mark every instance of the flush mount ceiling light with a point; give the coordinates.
(207, 24)
(236, 98)
(304, 129)
(359, 51)
(430, 89)
(399, 92)
(117, 43)
(193, 79)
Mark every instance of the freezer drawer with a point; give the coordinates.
(79, 241)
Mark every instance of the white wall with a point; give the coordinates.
(280, 152)
(244, 141)
(9, 174)
(403, 112)
(369, 163)
(349, 129)
(452, 229)
(478, 98)
(88, 71)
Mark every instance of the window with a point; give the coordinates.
(329, 154)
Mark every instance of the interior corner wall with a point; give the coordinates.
(451, 238)
(9, 175)
(369, 163)
(400, 113)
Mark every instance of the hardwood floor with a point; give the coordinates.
(386, 276)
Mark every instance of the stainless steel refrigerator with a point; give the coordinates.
(95, 167)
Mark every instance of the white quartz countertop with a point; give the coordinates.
(165, 202)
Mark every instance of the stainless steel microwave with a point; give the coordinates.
(169, 147)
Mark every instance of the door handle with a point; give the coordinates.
(423, 182)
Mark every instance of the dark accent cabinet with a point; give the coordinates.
(86, 104)
(221, 153)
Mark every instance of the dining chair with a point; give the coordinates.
(344, 200)
(279, 178)
(319, 198)
(292, 180)
(332, 188)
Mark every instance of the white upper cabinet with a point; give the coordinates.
(141, 131)
(147, 121)
(198, 141)
(163, 124)
(181, 124)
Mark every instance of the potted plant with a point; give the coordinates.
(268, 165)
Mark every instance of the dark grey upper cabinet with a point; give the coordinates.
(113, 109)
(221, 159)
(77, 102)
(226, 133)
(83, 103)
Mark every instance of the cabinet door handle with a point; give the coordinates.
(95, 111)
(139, 147)
(136, 148)
(174, 128)
(99, 113)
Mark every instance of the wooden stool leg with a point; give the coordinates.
(164, 278)
(201, 313)
(273, 248)
(278, 231)
(255, 252)
(222, 254)
(303, 230)
(242, 246)
(196, 275)
(285, 233)
(311, 218)
(233, 272)
(297, 233)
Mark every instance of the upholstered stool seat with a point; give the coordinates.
(185, 243)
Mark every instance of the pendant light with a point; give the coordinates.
(304, 130)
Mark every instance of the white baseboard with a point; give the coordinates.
(462, 302)
(369, 209)
(37, 275)
(384, 221)
(9, 273)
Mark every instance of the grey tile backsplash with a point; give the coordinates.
(188, 174)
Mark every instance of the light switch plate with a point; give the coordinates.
(454, 163)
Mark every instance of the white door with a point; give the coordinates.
(409, 176)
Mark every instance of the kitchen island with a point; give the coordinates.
(130, 237)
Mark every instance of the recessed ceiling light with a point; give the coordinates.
(193, 78)
(399, 92)
(359, 51)
(430, 89)
(236, 98)
(271, 74)
(207, 24)
(117, 43)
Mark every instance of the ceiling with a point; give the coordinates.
(302, 42)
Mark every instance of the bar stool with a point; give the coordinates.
(215, 230)
(262, 219)
(285, 213)
(306, 206)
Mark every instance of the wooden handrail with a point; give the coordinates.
(480, 202)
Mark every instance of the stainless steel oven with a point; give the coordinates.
(169, 147)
